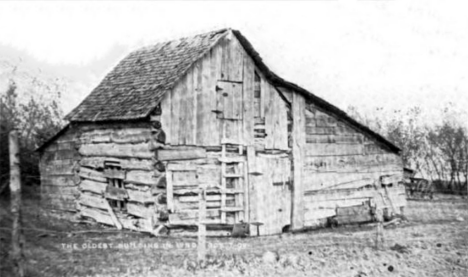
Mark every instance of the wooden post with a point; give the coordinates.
(201, 248)
(379, 240)
(15, 190)
(298, 110)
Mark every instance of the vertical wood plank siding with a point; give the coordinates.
(195, 106)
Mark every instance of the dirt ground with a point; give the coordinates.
(434, 242)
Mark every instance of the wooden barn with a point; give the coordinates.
(205, 112)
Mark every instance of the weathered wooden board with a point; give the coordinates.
(140, 210)
(333, 149)
(180, 154)
(142, 177)
(248, 98)
(139, 150)
(92, 186)
(140, 196)
(98, 162)
(166, 116)
(323, 203)
(232, 60)
(98, 215)
(184, 178)
(298, 110)
(209, 198)
(192, 215)
(276, 126)
(91, 174)
(126, 135)
(353, 163)
(93, 201)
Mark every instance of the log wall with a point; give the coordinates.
(58, 166)
(132, 148)
(343, 167)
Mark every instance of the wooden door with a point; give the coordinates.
(270, 194)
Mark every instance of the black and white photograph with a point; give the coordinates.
(234, 138)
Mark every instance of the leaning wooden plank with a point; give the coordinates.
(91, 174)
(92, 186)
(180, 154)
(97, 215)
(93, 201)
(140, 150)
(113, 217)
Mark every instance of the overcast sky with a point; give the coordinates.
(368, 54)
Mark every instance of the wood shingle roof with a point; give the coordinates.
(135, 86)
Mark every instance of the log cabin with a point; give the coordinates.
(204, 115)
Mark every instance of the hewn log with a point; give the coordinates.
(98, 215)
(141, 177)
(140, 210)
(140, 150)
(181, 154)
(92, 186)
(181, 167)
(91, 174)
(126, 135)
(93, 201)
(131, 163)
(140, 196)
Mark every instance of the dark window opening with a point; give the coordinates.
(113, 180)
